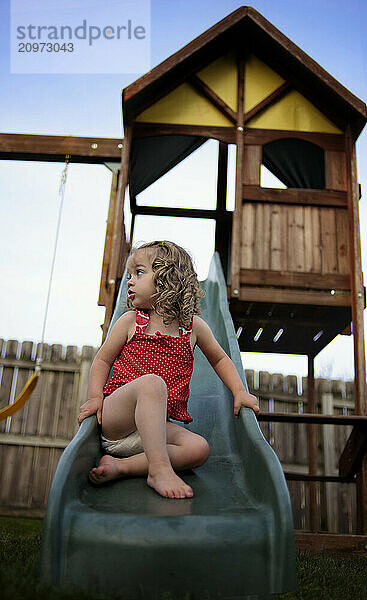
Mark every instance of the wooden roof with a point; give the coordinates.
(245, 29)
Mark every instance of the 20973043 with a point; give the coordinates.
(45, 47)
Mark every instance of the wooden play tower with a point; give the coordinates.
(291, 256)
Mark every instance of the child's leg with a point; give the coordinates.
(142, 404)
(186, 450)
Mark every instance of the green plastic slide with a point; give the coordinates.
(233, 539)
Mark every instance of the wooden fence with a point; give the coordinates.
(32, 441)
(336, 501)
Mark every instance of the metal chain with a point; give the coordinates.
(63, 179)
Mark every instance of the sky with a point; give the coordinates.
(330, 31)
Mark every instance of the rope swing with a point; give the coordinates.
(31, 384)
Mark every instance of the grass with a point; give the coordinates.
(20, 542)
(329, 577)
(320, 576)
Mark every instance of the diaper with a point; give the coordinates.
(128, 446)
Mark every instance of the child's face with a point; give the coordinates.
(140, 279)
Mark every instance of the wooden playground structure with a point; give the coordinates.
(291, 256)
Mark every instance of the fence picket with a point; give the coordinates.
(265, 404)
(17, 425)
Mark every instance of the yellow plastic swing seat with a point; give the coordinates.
(21, 399)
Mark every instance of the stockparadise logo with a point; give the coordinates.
(82, 36)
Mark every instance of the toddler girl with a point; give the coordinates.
(151, 351)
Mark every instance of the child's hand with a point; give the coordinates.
(91, 407)
(243, 398)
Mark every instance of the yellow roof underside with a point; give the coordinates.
(293, 113)
(185, 106)
(260, 82)
(221, 77)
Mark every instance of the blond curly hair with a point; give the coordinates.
(178, 289)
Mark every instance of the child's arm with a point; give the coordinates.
(223, 366)
(102, 364)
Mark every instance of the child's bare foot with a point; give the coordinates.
(169, 485)
(109, 468)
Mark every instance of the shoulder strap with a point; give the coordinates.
(186, 332)
(141, 321)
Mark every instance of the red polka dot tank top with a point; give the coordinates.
(168, 356)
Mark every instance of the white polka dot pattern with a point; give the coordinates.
(168, 356)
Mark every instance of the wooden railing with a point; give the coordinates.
(322, 497)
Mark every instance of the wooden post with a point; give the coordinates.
(327, 404)
(312, 446)
(118, 245)
(133, 215)
(237, 215)
(357, 293)
(222, 225)
(104, 286)
(88, 353)
(119, 235)
(356, 278)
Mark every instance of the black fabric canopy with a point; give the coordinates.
(297, 163)
(152, 157)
